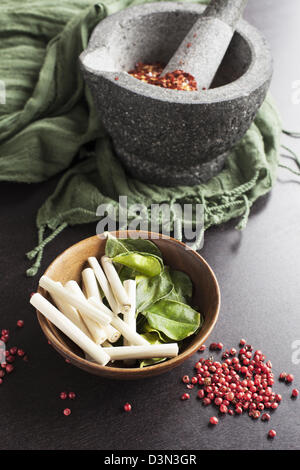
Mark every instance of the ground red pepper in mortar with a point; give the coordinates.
(151, 73)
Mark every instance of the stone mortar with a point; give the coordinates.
(170, 137)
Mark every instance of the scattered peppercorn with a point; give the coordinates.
(20, 323)
(272, 433)
(63, 395)
(213, 420)
(289, 378)
(67, 411)
(9, 368)
(282, 376)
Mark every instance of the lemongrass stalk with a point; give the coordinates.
(71, 313)
(90, 283)
(104, 284)
(69, 329)
(105, 344)
(97, 332)
(143, 352)
(82, 304)
(116, 285)
(132, 336)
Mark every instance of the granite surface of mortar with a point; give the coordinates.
(164, 136)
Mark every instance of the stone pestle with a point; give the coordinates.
(203, 48)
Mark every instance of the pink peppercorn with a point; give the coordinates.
(202, 348)
(67, 411)
(63, 395)
(185, 379)
(289, 378)
(295, 393)
(213, 420)
(127, 407)
(218, 401)
(9, 368)
(265, 417)
(272, 433)
(230, 395)
(255, 414)
(20, 323)
(185, 396)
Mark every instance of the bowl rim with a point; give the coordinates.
(48, 328)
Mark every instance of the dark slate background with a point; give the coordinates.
(258, 272)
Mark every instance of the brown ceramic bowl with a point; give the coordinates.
(206, 297)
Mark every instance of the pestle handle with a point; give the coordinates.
(203, 48)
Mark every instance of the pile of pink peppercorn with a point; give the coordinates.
(242, 382)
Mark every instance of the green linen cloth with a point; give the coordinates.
(49, 119)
